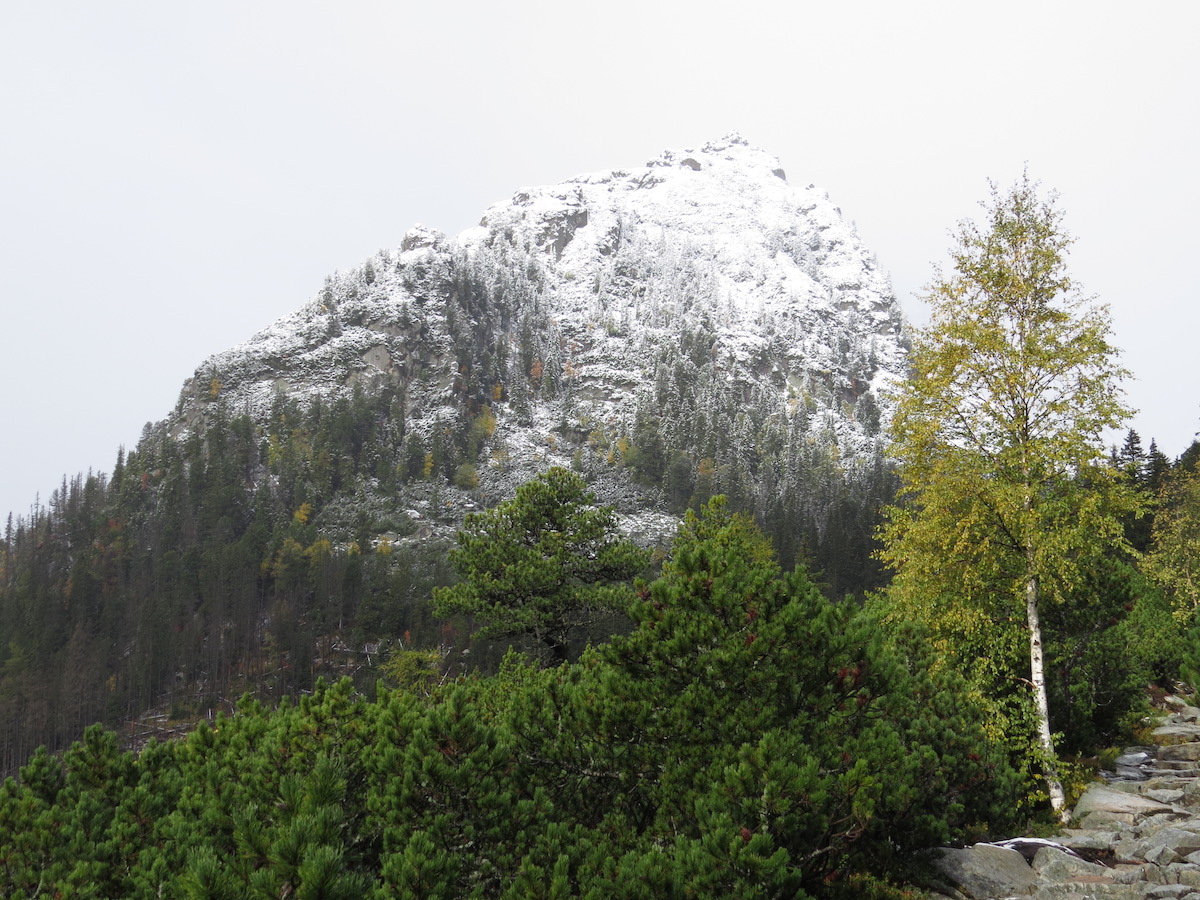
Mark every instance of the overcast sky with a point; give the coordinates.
(174, 177)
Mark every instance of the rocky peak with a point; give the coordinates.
(699, 304)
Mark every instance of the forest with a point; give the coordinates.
(301, 692)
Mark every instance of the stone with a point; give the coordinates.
(1127, 874)
(1104, 819)
(1137, 758)
(1187, 873)
(1189, 752)
(1131, 773)
(1169, 735)
(1053, 865)
(1084, 842)
(1087, 892)
(1137, 838)
(986, 871)
(1158, 855)
(1168, 891)
(1166, 796)
(1103, 799)
(1028, 847)
(1181, 710)
(1167, 845)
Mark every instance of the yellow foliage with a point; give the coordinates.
(623, 447)
(301, 516)
(289, 553)
(485, 423)
(319, 548)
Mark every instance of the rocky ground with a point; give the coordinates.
(1134, 837)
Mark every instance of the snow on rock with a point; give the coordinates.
(574, 308)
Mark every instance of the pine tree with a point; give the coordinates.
(539, 564)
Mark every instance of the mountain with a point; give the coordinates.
(698, 308)
(690, 327)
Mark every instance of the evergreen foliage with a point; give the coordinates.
(1172, 561)
(747, 739)
(541, 564)
(1175, 560)
(241, 558)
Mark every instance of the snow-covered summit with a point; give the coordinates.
(700, 297)
(727, 199)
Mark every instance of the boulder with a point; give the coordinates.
(986, 872)
(1057, 866)
(1169, 892)
(1187, 752)
(1077, 891)
(1103, 803)
(1167, 845)
(1168, 735)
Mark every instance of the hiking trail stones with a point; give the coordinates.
(1134, 837)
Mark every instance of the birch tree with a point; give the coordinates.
(999, 430)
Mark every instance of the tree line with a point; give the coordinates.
(746, 738)
(233, 560)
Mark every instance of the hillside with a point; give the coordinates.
(692, 327)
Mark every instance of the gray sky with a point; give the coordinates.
(174, 177)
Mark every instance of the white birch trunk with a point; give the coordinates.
(1037, 670)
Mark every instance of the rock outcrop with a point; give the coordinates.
(690, 327)
(1135, 837)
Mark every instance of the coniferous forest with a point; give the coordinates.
(305, 687)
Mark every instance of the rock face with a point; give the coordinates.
(1135, 839)
(696, 325)
(594, 279)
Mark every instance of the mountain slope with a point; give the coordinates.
(657, 305)
(693, 327)
(615, 258)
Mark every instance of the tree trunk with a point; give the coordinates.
(1037, 671)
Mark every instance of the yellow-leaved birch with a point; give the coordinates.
(999, 432)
